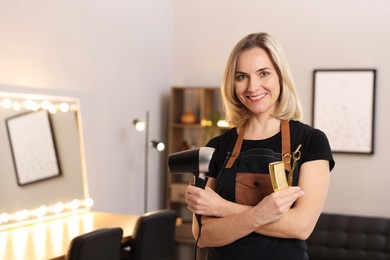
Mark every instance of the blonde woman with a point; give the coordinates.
(242, 216)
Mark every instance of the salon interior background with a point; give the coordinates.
(121, 58)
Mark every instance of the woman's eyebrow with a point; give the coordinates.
(263, 69)
(259, 70)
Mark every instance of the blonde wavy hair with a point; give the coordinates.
(289, 105)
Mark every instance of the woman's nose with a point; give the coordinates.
(253, 85)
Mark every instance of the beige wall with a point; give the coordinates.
(115, 56)
(314, 34)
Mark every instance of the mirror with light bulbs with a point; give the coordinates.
(42, 197)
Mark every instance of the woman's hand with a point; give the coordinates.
(207, 202)
(276, 205)
(204, 202)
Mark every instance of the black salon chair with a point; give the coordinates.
(101, 244)
(153, 237)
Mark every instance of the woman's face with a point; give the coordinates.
(256, 81)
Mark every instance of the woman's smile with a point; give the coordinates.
(257, 98)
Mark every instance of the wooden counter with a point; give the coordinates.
(50, 239)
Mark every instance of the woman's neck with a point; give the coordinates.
(261, 128)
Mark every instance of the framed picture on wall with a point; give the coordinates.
(344, 108)
(33, 148)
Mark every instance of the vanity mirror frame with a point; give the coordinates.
(57, 200)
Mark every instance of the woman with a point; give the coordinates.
(242, 216)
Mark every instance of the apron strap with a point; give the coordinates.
(236, 149)
(285, 129)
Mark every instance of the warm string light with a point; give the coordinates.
(220, 123)
(4, 217)
(35, 105)
(6, 103)
(42, 211)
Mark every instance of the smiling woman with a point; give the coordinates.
(43, 196)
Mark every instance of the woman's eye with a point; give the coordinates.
(264, 73)
(240, 77)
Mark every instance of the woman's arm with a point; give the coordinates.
(299, 222)
(224, 222)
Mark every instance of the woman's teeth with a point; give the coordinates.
(256, 97)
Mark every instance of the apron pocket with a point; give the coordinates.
(251, 188)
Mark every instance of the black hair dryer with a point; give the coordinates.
(196, 161)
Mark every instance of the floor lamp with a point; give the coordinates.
(159, 146)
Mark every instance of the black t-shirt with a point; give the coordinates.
(315, 146)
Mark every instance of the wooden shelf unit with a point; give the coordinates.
(205, 103)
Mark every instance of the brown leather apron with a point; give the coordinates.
(252, 180)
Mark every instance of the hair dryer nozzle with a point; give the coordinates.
(193, 160)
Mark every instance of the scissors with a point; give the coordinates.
(296, 155)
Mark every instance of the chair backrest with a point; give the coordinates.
(154, 236)
(101, 244)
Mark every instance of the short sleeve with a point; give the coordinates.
(318, 148)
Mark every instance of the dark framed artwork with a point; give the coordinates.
(344, 108)
(33, 147)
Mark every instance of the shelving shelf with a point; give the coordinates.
(205, 105)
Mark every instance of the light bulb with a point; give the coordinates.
(45, 104)
(88, 202)
(21, 215)
(4, 217)
(139, 125)
(222, 123)
(41, 211)
(58, 208)
(28, 104)
(160, 146)
(16, 106)
(7, 103)
(74, 204)
(52, 109)
(64, 107)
